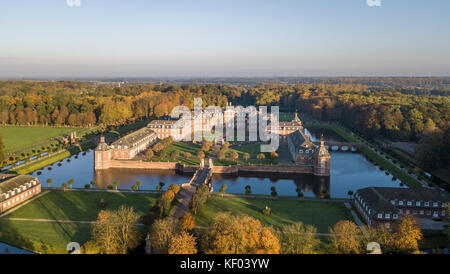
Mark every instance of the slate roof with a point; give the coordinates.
(376, 201)
(300, 140)
(134, 137)
(379, 198)
(11, 181)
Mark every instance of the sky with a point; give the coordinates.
(223, 38)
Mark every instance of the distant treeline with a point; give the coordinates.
(400, 113)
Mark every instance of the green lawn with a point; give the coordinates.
(53, 238)
(17, 138)
(81, 206)
(322, 215)
(44, 238)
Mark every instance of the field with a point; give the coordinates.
(81, 206)
(46, 237)
(18, 138)
(322, 215)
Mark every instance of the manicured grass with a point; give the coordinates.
(322, 215)
(341, 132)
(17, 137)
(81, 206)
(43, 163)
(51, 238)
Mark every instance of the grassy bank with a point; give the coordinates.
(46, 237)
(322, 215)
(81, 206)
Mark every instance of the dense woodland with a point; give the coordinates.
(397, 111)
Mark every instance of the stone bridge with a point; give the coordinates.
(341, 146)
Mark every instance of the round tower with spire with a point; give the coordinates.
(322, 160)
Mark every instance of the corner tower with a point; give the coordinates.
(322, 160)
(102, 155)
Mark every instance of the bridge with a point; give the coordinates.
(341, 146)
(203, 176)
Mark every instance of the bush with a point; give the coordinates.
(248, 190)
(169, 194)
(175, 188)
(266, 211)
(87, 186)
(187, 222)
(101, 204)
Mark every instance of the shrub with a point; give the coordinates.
(187, 222)
(266, 211)
(87, 186)
(169, 194)
(175, 188)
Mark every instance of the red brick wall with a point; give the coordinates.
(20, 197)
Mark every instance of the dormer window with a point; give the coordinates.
(409, 203)
(387, 216)
(393, 202)
(400, 203)
(427, 204)
(380, 216)
(417, 203)
(395, 216)
(435, 204)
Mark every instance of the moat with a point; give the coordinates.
(349, 171)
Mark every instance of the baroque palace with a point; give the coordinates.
(306, 156)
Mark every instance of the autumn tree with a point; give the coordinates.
(200, 155)
(260, 156)
(115, 232)
(346, 238)
(149, 154)
(161, 233)
(407, 234)
(298, 238)
(175, 188)
(241, 235)
(187, 222)
(184, 243)
(246, 156)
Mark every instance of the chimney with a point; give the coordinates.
(322, 143)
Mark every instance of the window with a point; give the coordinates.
(435, 204)
(427, 204)
(380, 216)
(407, 211)
(417, 203)
(387, 216)
(421, 212)
(395, 216)
(400, 203)
(409, 203)
(393, 202)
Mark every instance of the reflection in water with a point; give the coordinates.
(149, 178)
(349, 171)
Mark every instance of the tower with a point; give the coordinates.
(102, 155)
(322, 160)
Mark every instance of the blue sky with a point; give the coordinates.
(205, 38)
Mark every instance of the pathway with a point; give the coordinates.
(356, 218)
(56, 221)
(282, 198)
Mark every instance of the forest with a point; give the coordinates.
(396, 111)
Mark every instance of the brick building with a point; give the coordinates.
(15, 189)
(305, 153)
(385, 205)
(125, 148)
